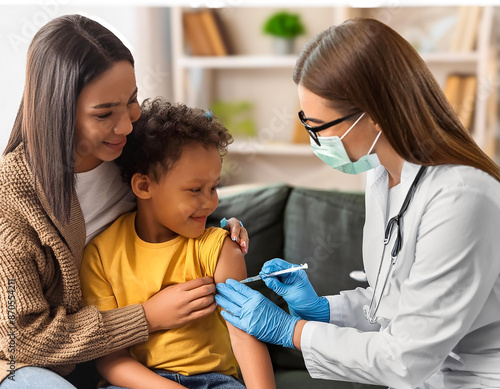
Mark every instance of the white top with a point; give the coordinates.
(439, 317)
(103, 197)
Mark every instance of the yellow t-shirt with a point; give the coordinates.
(120, 269)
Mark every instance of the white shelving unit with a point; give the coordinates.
(196, 83)
(238, 62)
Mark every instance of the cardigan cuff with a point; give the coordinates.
(126, 326)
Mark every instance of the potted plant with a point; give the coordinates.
(284, 27)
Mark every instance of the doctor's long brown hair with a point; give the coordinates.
(364, 65)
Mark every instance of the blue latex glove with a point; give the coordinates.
(297, 291)
(253, 313)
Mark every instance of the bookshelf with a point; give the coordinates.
(265, 78)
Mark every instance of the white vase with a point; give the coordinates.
(283, 46)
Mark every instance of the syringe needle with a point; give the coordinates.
(276, 273)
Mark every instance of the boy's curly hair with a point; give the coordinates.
(158, 137)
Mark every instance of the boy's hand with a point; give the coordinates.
(239, 233)
(180, 304)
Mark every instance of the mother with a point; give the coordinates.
(59, 188)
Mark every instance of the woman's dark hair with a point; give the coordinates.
(159, 136)
(65, 55)
(364, 65)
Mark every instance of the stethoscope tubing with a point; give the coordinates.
(371, 311)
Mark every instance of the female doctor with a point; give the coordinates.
(431, 246)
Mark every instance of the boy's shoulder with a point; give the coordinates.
(213, 233)
(208, 246)
(212, 236)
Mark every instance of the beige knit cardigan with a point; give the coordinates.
(43, 321)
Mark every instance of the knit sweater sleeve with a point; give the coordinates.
(42, 318)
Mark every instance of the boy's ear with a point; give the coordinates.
(140, 184)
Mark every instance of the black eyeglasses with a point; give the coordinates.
(312, 130)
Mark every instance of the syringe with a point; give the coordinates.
(276, 273)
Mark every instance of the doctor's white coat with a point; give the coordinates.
(439, 317)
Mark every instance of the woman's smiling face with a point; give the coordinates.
(106, 109)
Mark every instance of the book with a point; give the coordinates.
(465, 33)
(452, 90)
(196, 35)
(468, 101)
(460, 90)
(223, 32)
(213, 32)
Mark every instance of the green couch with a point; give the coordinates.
(322, 228)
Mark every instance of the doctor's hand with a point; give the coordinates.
(253, 313)
(297, 291)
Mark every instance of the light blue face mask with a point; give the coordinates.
(332, 152)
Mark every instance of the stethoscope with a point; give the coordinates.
(371, 310)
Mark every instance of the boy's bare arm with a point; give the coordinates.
(120, 369)
(251, 354)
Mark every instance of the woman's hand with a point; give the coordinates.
(297, 291)
(179, 304)
(251, 312)
(239, 233)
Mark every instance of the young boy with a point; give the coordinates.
(172, 160)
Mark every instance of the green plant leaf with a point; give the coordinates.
(236, 116)
(284, 24)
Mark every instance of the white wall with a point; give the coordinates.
(143, 30)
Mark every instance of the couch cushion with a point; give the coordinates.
(300, 379)
(324, 229)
